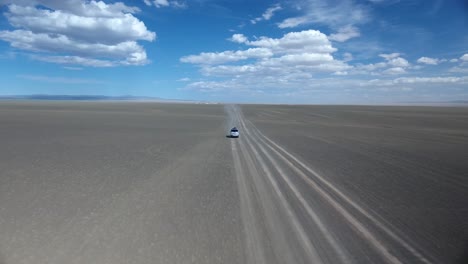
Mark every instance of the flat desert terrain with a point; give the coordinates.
(141, 182)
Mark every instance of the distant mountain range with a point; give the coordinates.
(87, 98)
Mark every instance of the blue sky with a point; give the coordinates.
(296, 51)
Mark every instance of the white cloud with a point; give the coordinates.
(454, 60)
(93, 26)
(330, 13)
(166, 3)
(88, 8)
(308, 43)
(288, 60)
(179, 5)
(345, 33)
(394, 71)
(268, 14)
(303, 63)
(160, 3)
(341, 73)
(305, 88)
(270, 11)
(238, 38)
(123, 53)
(392, 65)
(87, 33)
(227, 56)
(398, 62)
(458, 70)
(390, 56)
(303, 59)
(293, 22)
(464, 57)
(416, 80)
(427, 60)
(371, 67)
(394, 59)
(76, 60)
(411, 80)
(312, 41)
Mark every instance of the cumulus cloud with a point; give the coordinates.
(345, 33)
(77, 7)
(308, 43)
(227, 56)
(395, 60)
(302, 63)
(88, 33)
(464, 57)
(268, 14)
(238, 38)
(429, 61)
(311, 41)
(303, 42)
(287, 60)
(398, 62)
(393, 64)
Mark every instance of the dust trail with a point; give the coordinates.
(231, 120)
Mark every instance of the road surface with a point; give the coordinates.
(161, 183)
